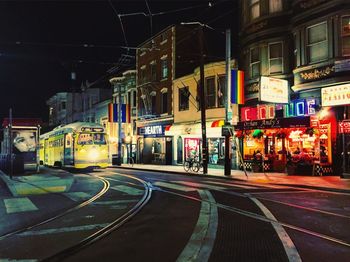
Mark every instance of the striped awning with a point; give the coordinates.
(217, 123)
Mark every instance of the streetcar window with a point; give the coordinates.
(85, 139)
(99, 139)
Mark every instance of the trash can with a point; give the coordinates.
(116, 161)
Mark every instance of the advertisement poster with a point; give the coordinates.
(25, 144)
(192, 147)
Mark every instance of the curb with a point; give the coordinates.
(337, 190)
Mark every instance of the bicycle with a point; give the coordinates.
(188, 164)
(192, 163)
(197, 166)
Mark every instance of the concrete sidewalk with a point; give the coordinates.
(333, 183)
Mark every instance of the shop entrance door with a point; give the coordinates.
(169, 151)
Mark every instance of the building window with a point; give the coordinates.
(254, 9)
(254, 62)
(345, 33)
(63, 105)
(164, 103)
(317, 48)
(221, 90)
(143, 75)
(184, 95)
(164, 68)
(154, 104)
(133, 98)
(154, 71)
(295, 53)
(276, 58)
(275, 6)
(211, 94)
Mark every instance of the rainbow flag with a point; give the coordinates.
(113, 113)
(237, 87)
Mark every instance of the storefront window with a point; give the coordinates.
(216, 147)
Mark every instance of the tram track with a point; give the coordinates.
(103, 191)
(117, 223)
(111, 225)
(261, 217)
(256, 195)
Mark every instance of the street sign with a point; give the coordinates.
(227, 130)
(229, 116)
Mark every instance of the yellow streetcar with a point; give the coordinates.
(76, 145)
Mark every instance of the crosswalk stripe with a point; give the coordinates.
(128, 190)
(16, 205)
(230, 185)
(174, 186)
(62, 230)
(77, 196)
(199, 185)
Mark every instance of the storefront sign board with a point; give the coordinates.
(274, 90)
(336, 95)
(293, 122)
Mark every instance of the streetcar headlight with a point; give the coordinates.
(93, 154)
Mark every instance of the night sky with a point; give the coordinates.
(41, 42)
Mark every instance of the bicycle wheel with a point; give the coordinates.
(187, 166)
(195, 166)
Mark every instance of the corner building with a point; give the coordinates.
(306, 43)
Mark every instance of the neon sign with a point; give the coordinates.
(260, 112)
(344, 127)
(300, 107)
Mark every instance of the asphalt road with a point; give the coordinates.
(185, 218)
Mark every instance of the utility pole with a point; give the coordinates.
(203, 104)
(228, 109)
(10, 142)
(119, 123)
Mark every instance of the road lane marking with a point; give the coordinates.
(198, 185)
(202, 240)
(287, 242)
(62, 230)
(77, 196)
(16, 205)
(174, 186)
(128, 190)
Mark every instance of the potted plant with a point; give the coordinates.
(257, 133)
